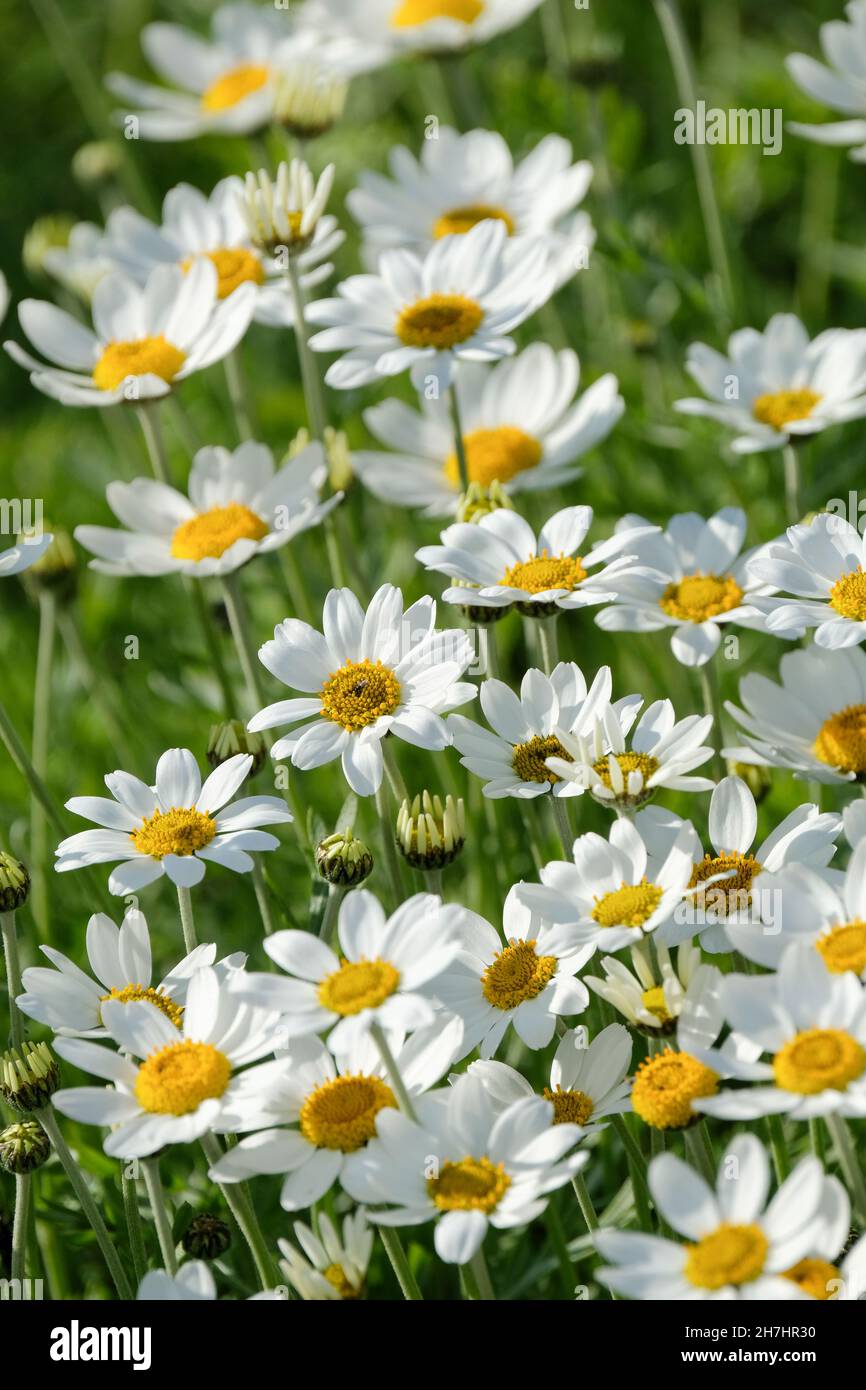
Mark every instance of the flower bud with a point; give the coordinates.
(206, 1237)
(429, 835)
(23, 1147)
(478, 501)
(230, 738)
(47, 232)
(343, 860)
(14, 883)
(56, 570)
(96, 162)
(29, 1076)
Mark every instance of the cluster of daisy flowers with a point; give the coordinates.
(382, 1063)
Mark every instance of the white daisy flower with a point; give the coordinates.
(23, 554)
(692, 578)
(70, 1001)
(528, 982)
(144, 340)
(812, 1023)
(664, 752)
(193, 1283)
(387, 974)
(840, 84)
(214, 228)
(458, 302)
(521, 429)
(818, 1275)
(737, 1245)
(616, 891)
(588, 1080)
(467, 1165)
(237, 507)
(503, 562)
(651, 1001)
(175, 827)
(814, 722)
(512, 759)
(190, 1081)
(336, 1263)
(822, 564)
(331, 1105)
(372, 673)
(461, 180)
(777, 386)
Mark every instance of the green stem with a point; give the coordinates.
(400, 1265)
(781, 1161)
(848, 1162)
(459, 440)
(39, 754)
(240, 625)
(479, 1272)
(638, 1170)
(391, 1067)
(159, 1211)
(261, 892)
(462, 95)
(389, 844)
(547, 640)
(312, 382)
(791, 461)
(187, 920)
(151, 428)
(93, 684)
(553, 1222)
(243, 1211)
(712, 698)
(698, 1157)
(21, 1223)
(16, 751)
(336, 893)
(195, 589)
(13, 977)
(563, 825)
(392, 772)
(584, 1200)
(238, 395)
(129, 1190)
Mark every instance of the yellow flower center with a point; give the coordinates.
(181, 830)
(463, 219)
(516, 974)
(630, 905)
(841, 741)
(779, 408)
(699, 597)
(729, 1255)
(569, 1107)
(410, 13)
(341, 1114)
(644, 763)
(655, 1003)
(495, 456)
(818, 1278)
(843, 947)
(819, 1059)
(336, 1277)
(665, 1086)
(528, 759)
(728, 895)
(439, 321)
(472, 1184)
(209, 535)
(176, 1079)
(359, 693)
(157, 997)
(154, 356)
(234, 85)
(848, 595)
(542, 572)
(357, 985)
(234, 266)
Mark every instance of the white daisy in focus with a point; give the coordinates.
(651, 1000)
(736, 1246)
(69, 1001)
(372, 673)
(458, 302)
(521, 429)
(615, 892)
(191, 1081)
(144, 340)
(839, 84)
(529, 982)
(489, 1167)
(692, 578)
(335, 1266)
(387, 973)
(777, 386)
(330, 1105)
(23, 554)
(238, 507)
(821, 563)
(512, 758)
(502, 562)
(175, 827)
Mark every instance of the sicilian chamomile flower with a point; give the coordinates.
(821, 564)
(736, 1246)
(191, 1080)
(777, 386)
(335, 1266)
(814, 722)
(467, 1165)
(521, 426)
(193, 1283)
(214, 228)
(839, 84)
(145, 339)
(461, 180)
(284, 218)
(70, 1001)
(175, 827)
(692, 578)
(25, 553)
(651, 1000)
(372, 673)
(457, 302)
(387, 974)
(587, 1079)
(329, 1105)
(237, 507)
(663, 752)
(498, 561)
(529, 982)
(615, 892)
